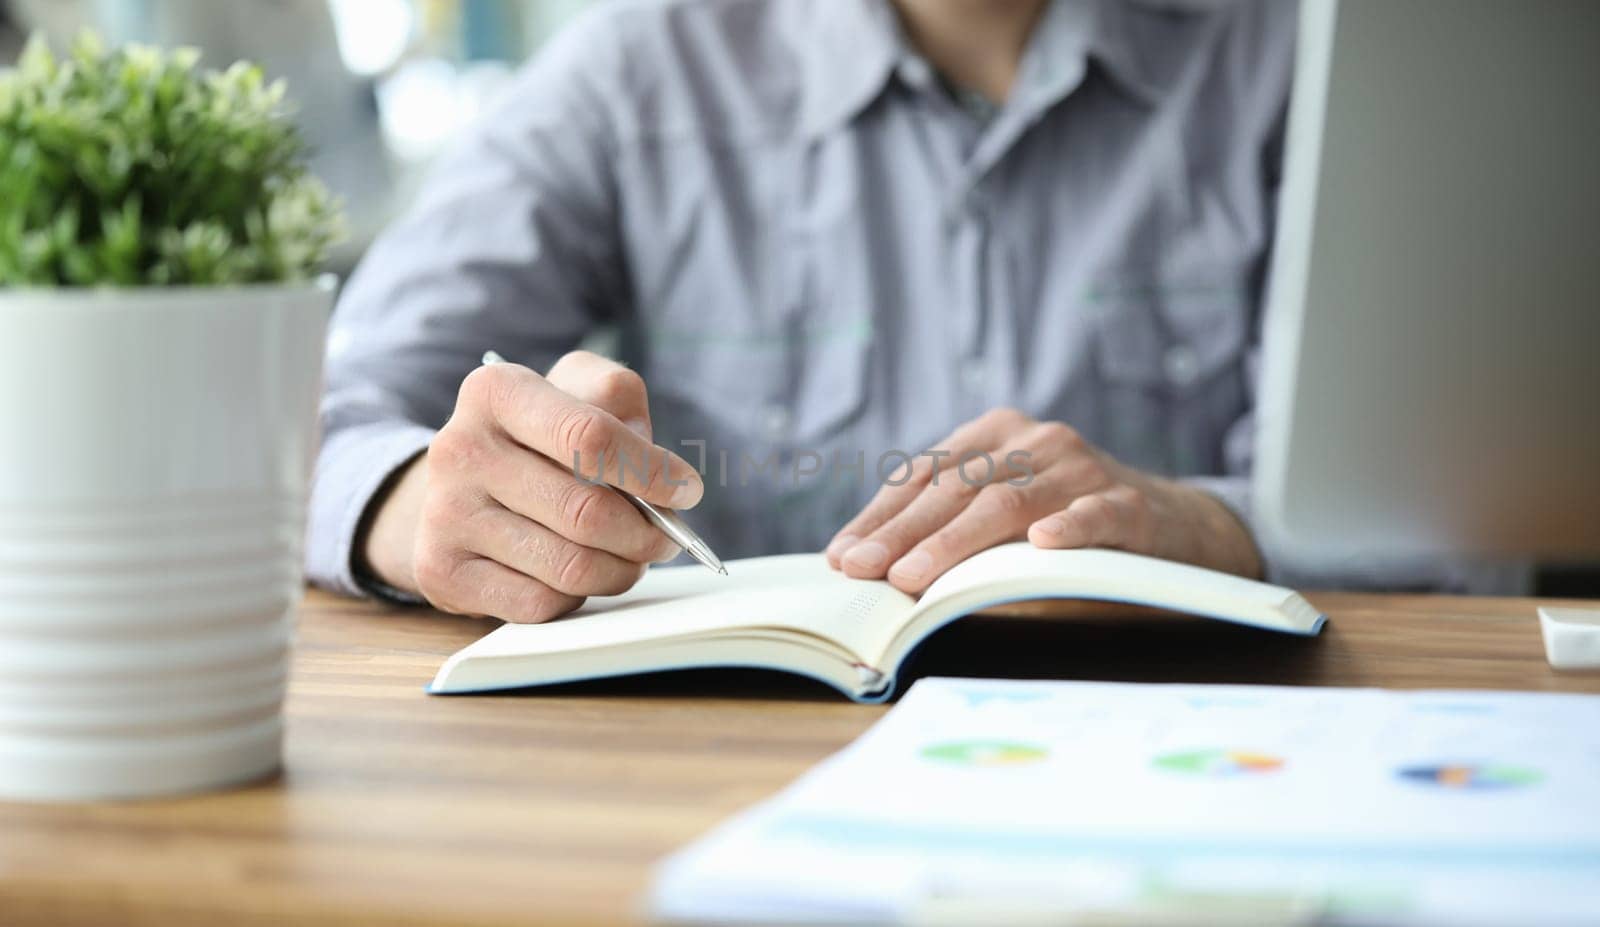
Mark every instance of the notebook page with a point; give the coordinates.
(1020, 570)
(795, 591)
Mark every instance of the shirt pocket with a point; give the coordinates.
(1169, 346)
(779, 362)
(792, 387)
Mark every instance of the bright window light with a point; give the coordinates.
(419, 108)
(372, 34)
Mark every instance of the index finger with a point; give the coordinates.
(897, 491)
(594, 443)
(999, 513)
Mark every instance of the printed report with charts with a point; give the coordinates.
(794, 613)
(985, 801)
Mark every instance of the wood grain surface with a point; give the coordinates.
(552, 805)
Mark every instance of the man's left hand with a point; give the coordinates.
(1006, 477)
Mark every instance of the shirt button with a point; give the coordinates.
(916, 72)
(963, 209)
(775, 421)
(1182, 365)
(973, 376)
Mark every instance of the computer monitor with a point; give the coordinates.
(1430, 378)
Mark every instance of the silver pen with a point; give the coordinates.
(670, 523)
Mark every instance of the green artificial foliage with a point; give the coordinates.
(133, 167)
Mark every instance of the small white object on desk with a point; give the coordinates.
(1571, 637)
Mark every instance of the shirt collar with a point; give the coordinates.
(1141, 44)
(856, 46)
(852, 49)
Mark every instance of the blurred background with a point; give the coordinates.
(381, 85)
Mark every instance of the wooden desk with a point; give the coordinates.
(399, 808)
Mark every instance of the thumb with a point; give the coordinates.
(641, 426)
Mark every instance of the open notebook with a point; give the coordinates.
(794, 613)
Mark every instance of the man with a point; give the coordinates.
(831, 234)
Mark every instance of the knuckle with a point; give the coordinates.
(1085, 472)
(475, 386)
(454, 449)
(1141, 517)
(435, 571)
(1057, 435)
(533, 488)
(575, 570)
(441, 513)
(903, 473)
(1003, 501)
(960, 483)
(583, 511)
(1098, 510)
(488, 387)
(582, 432)
(1083, 525)
(506, 396)
(618, 383)
(525, 548)
(449, 509)
(616, 582)
(1135, 499)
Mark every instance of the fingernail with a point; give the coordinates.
(913, 567)
(639, 427)
(1053, 526)
(841, 544)
(688, 495)
(868, 555)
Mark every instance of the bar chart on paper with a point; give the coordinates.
(1048, 798)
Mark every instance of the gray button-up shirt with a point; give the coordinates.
(816, 255)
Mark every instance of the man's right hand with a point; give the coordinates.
(491, 520)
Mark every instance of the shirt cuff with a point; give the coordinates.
(1232, 491)
(1234, 494)
(353, 465)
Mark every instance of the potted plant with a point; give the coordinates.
(161, 333)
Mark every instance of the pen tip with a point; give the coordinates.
(723, 570)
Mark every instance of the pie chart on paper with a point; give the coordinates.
(1470, 775)
(984, 753)
(1219, 764)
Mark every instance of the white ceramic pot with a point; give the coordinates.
(155, 457)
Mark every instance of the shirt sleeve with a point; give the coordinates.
(511, 246)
